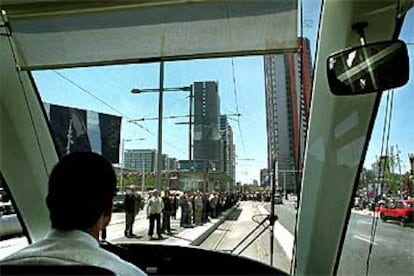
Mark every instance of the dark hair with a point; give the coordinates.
(81, 188)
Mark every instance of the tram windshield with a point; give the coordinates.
(222, 127)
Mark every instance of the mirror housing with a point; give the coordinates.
(368, 68)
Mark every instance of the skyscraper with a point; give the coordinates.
(228, 150)
(207, 138)
(288, 88)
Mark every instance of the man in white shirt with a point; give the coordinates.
(154, 209)
(81, 188)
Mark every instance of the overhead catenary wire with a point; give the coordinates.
(178, 102)
(237, 105)
(235, 88)
(381, 170)
(172, 117)
(91, 94)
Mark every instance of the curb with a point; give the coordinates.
(200, 239)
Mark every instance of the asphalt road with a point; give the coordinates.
(286, 215)
(392, 252)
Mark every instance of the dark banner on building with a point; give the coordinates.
(84, 130)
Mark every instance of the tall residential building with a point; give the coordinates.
(228, 151)
(288, 93)
(140, 159)
(207, 138)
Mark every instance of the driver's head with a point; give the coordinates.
(81, 189)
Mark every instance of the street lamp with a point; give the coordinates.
(168, 89)
(123, 161)
(160, 117)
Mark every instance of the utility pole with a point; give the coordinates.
(190, 127)
(161, 90)
(122, 164)
(143, 179)
(160, 108)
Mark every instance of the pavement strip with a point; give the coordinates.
(282, 235)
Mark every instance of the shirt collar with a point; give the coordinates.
(73, 234)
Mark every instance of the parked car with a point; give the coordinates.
(399, 210)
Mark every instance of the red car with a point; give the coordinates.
(400, 210)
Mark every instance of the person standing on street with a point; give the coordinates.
(198, 208)
(167, 211)
(154, 209)
(185, 211)
(175, 206)
(130, 211)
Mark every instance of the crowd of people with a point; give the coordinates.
(194, 209)
(198, 207)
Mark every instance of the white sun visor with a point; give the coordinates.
(53, 35)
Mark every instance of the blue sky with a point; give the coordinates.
(402, 128)
(113, 86)
(245, 95)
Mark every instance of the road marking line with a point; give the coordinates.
(364, 222)
(285, 239)
(282, 235)
(364, 239)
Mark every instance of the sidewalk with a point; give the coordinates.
(181, 236)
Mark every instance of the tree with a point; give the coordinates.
(389, 171)
(220, 179)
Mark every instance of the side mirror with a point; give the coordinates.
(368, 68)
